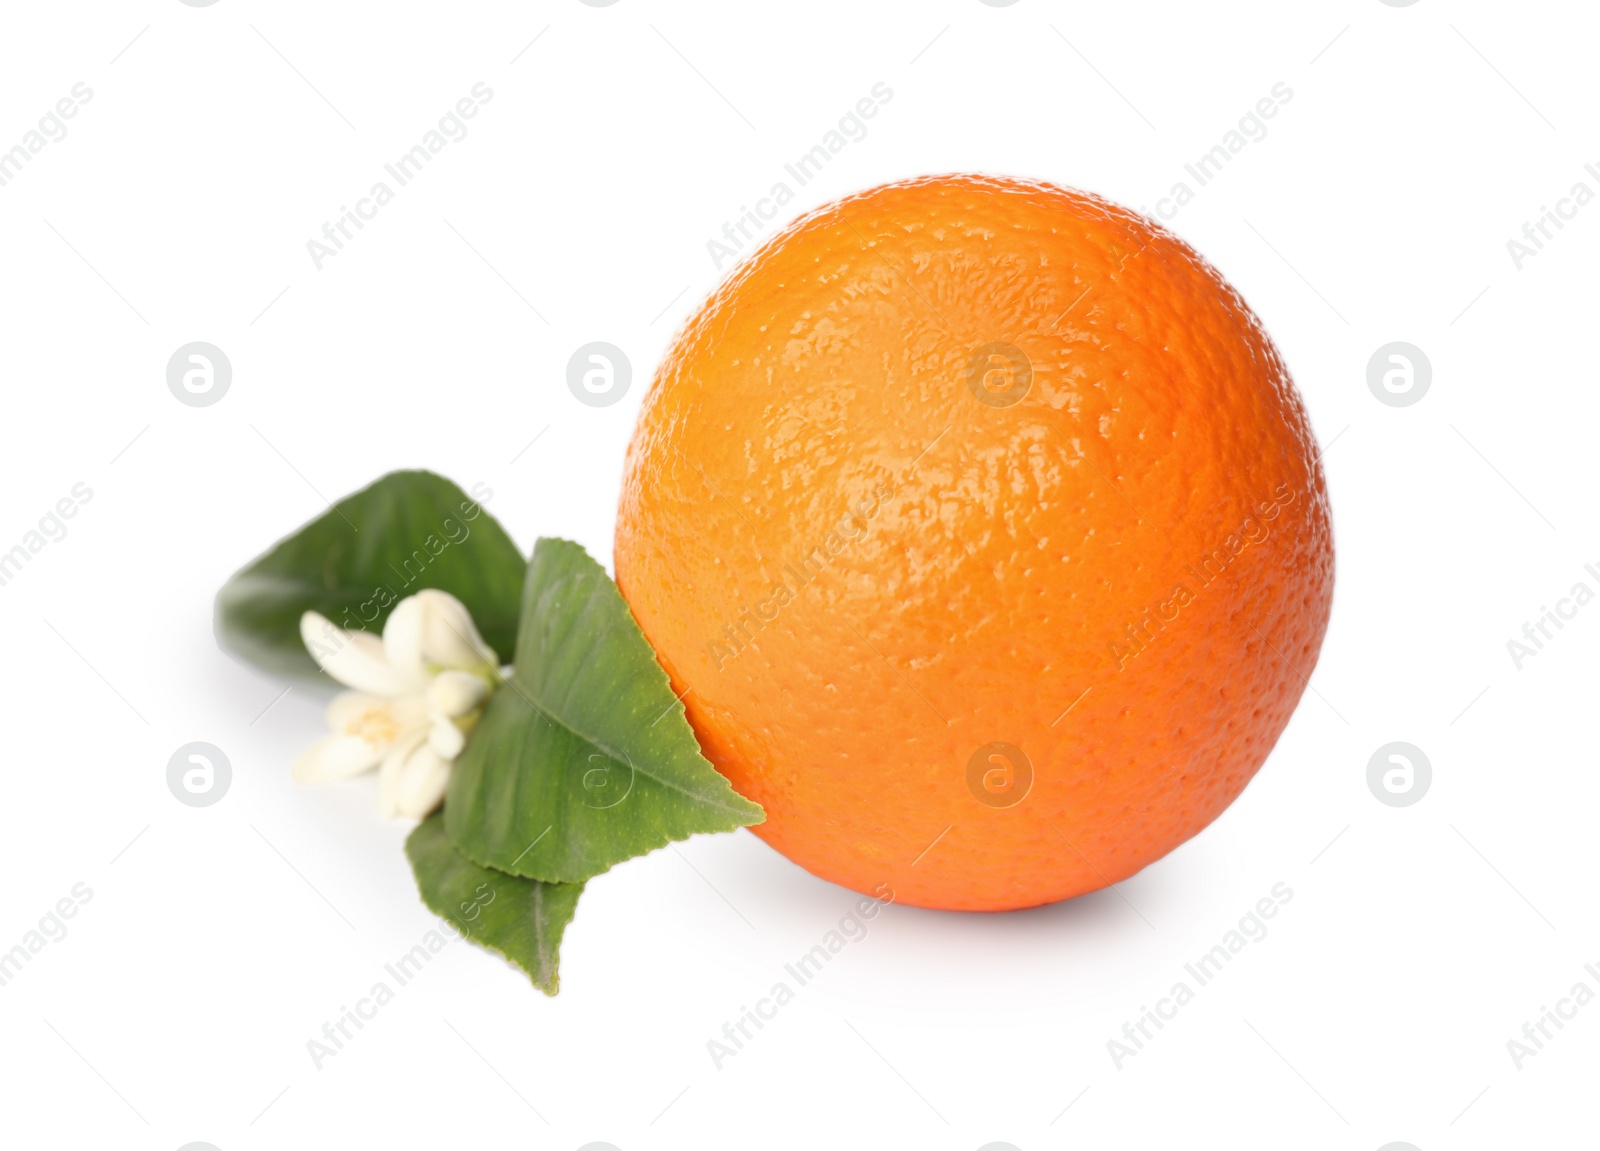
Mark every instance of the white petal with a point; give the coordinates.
(391, 773)
(446, 738)
(451, 639)
(427, 778)
(403, 632)
(378, 721)
(354, 658)
(349, 705)
(411, 710)
(455, 693)
(414, 785)
(321, 635)
(335, 757)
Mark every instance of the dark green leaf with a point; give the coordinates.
(408, 531)
(584, 757)
(522, 919)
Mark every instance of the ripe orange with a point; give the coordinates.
(980, 525)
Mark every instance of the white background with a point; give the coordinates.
(219, 940)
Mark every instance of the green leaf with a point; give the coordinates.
(409, 531)
(583, 758)
(522, 919)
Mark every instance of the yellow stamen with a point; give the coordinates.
(376, 725)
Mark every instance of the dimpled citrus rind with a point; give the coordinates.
(966, 463)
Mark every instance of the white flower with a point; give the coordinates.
(418, 691)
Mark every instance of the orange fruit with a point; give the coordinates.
(980, 526)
